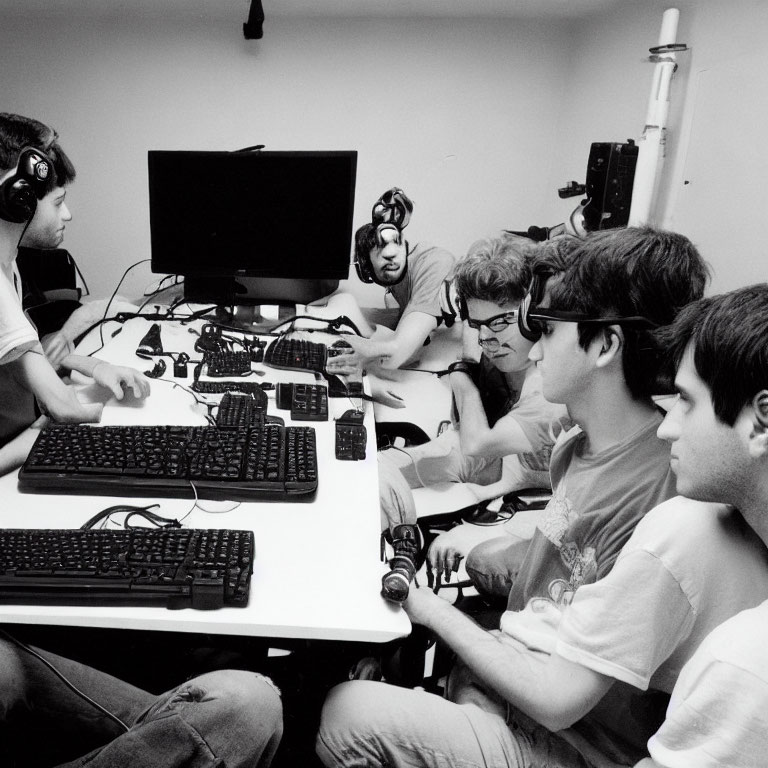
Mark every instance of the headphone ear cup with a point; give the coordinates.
(451, 304)
(32, 177)
(17, 200)
(363, 270)
(523, 326)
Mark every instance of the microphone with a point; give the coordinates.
(151, 343)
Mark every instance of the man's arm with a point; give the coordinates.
(398, 349)
(553, 691)
(116, 378)
(56, 399)
(476, 436)
(14, 453)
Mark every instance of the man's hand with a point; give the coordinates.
(117, 379)
(450, 548)
(423, 605)
(346, 363)
(380, 394)
(446, 552)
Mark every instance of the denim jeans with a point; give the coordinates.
(228, 718)
(366, 723)
(493, 565)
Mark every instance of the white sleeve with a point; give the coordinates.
(719, 720)
(17, 334)
(627, 623)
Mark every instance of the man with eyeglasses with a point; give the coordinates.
(503, 429)
(548, 687)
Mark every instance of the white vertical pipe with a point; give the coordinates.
(651, 146)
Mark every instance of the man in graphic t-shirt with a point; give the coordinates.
(532, 706)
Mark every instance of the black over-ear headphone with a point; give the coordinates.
(390, 216)
(452, 304)
(22, 187)
(529, 328)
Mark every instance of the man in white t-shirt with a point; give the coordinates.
(34, 173)
(718, 714)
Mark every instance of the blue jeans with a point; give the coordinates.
(366, 723)
(228, 718)
(493, 565)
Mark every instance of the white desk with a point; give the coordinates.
(426, 398)
(317, 572)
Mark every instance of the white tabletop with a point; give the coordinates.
(317, 572)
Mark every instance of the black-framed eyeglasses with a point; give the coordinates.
(496, 324)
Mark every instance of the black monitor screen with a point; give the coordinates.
(254, 214)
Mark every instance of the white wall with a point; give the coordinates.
(480, 121)
(717, 164)
(462, 115)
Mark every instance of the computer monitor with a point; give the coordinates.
(252, 227)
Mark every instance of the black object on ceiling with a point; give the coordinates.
(253, 29)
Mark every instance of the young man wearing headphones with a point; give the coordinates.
(55, 711)
(503, 429)
(718, 429)
(34, 171)
(412, 276)
(594, 636)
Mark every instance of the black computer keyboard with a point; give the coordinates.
(223, 364)
(171, 567)
(296, 354)
(307, 402)
(264, 463)
(241, 410)
(351, 436)
(220, 387)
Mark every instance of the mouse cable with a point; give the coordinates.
(332, 324)
(146, 512)
(114, 293)
(28, 649)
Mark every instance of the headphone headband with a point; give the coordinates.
(531, 314)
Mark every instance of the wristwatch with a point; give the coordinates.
(464, 366)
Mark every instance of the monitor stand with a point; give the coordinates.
(240, 299)
(258, 318)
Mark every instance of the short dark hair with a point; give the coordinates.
(556, 255)
(495, 269)
(365, 241)
(627, 272)
(728, 334)
(18, 132)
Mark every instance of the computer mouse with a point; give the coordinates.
(352, 416)
(339, 347)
